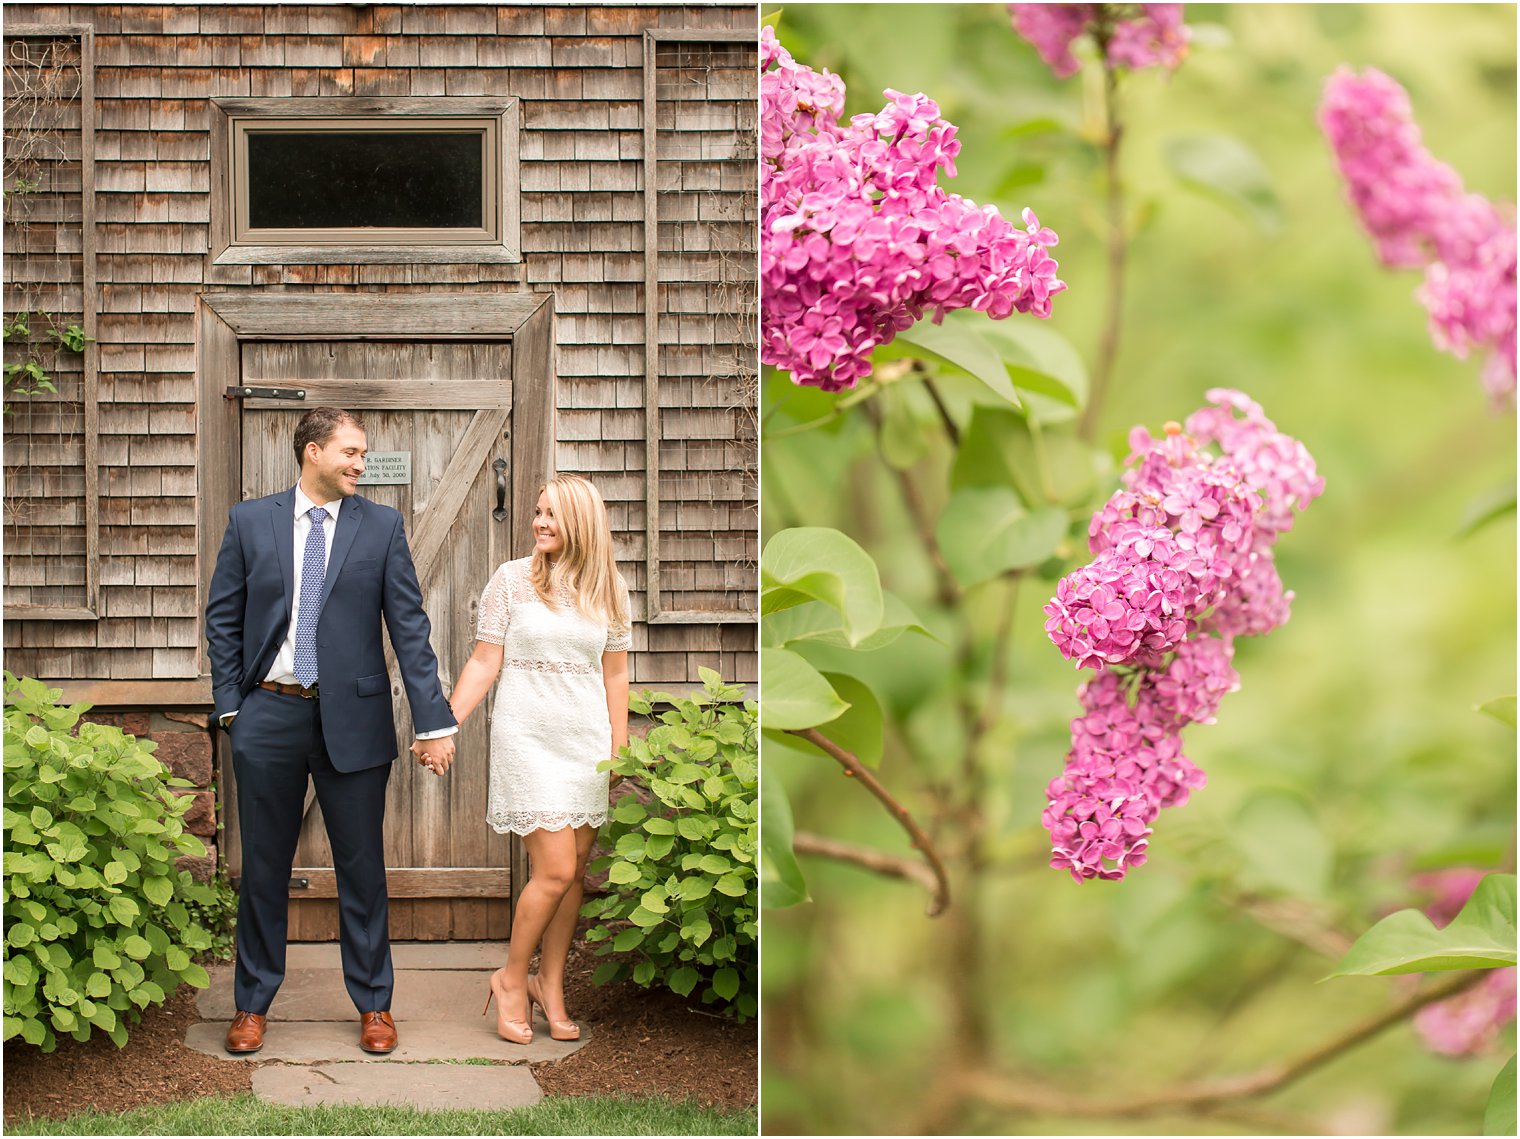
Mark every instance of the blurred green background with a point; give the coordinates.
(1351, 758)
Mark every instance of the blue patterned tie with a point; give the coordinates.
(313, 574)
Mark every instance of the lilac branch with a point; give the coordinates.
(855, 769)
(867, 858)
(1208, 1095)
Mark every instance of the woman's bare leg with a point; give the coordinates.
(560, 931)
(555, 869)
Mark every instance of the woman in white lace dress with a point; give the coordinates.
(555, 628)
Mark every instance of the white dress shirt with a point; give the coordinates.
(283, 670)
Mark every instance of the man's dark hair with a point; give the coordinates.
(318, 426)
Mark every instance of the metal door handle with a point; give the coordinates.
(500, 467)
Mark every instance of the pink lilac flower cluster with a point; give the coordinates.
(1140, 35)
(1183, 565)
(1420, 216)
(858, 239)
(1469, 1022)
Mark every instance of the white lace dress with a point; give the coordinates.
(549, 726)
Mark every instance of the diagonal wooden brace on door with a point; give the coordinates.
(442, 509)
(441, 513)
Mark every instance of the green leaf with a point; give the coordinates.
(1499, 1115)
(1283, 843)
(630, 938)
(684, 979)
(1486, 508)
(781, 881)
(859, 730)
(136, 947)
(726, 983)
(796, 694)
(958, 343)
(1501, 708)
(608, 972)
(623, 873)
(731, 885)
(158, 890)
(124, 910)
(1040, 363)
(645, 917)
(1482, 936)
(630, 813)
(815, 621)
(1224, 168)
(986, 531)
(657, 824)
(815, 562)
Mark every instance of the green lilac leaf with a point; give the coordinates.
(1482, 936)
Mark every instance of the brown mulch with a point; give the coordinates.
(642, 1042)
(650, 1041)
(155, 1067)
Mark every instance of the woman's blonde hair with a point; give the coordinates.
(585, 565)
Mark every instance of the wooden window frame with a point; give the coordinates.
(243, 234)
(656, 615)
(231, 243)
(90, 611)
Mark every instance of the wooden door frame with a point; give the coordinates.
(224, 320)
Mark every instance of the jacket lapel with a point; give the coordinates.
(349, 517)
(282, 521)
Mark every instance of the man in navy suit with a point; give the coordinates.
(298, 673)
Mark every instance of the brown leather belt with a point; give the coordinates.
(290, 689)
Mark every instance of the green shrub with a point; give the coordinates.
(217, 915)
(97, 918)
(681, 876)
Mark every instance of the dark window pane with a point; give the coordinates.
(337, 179)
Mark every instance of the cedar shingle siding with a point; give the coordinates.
(579, 74)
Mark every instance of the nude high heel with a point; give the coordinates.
(558, 1029)
(512, 1031)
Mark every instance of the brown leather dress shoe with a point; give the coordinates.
(377, 1032)
(246, 1033)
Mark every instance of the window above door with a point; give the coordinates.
(364, 180)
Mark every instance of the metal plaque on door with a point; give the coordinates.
(387, 468)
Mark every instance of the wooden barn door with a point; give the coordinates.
(437, 416)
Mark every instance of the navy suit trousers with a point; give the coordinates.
(277, 745)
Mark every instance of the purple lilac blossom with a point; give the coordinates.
(1468, 1023)
(1183, 565)
(1143, 35)
(859, 241)
(1419, 216)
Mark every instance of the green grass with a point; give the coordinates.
(248, 1115)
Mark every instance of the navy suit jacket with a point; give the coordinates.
(369, 575)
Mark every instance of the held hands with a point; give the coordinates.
(436, 755)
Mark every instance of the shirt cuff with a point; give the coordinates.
(439, 734)
(226, 718)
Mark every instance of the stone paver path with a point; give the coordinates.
(313, 1033)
